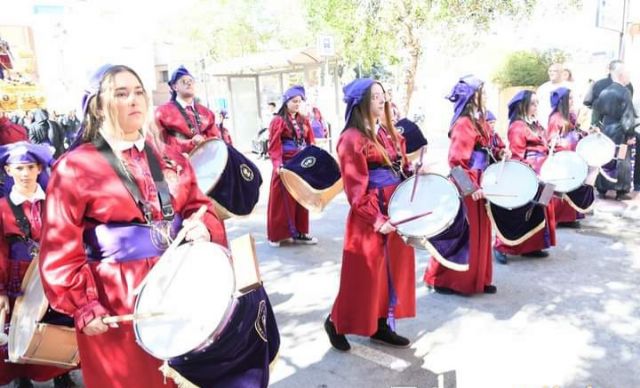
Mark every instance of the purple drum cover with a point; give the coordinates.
(412, 134)
(315, 166)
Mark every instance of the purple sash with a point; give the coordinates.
(290, 146)
(122, 242)
(382, 177)
(21, 250)
(479, 160)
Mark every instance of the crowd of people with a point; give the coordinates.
(85, 196)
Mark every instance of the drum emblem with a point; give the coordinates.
(246, 172)
(308, 162)
(400, 130)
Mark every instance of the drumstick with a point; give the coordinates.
(131, 317)
(502, 163)
(177, 241)
(560, 179)
(4, 339)
(409, 219)
(500, 195)
(415, 182)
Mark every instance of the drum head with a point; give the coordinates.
(193, 287)
(596, 149)
(566, 170)
(434, 193)
(510, 186)
(27, 312)
(209, 160)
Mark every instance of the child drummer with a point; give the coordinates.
(21, 224)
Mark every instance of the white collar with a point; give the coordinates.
(184, 104)
(18, 198)
(123, 145)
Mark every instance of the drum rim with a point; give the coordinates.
(585, 166)
(211, 337)
(589, 139)
(447, 225)
(32, 271)
(529, 168)
(196, 149)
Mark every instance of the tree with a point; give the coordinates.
(372, 31)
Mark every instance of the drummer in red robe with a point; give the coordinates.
(115, 178)
(473, 146)
(377, 282)
(528, 144)
(289, 132)
(25, 166)
(184, 123)
(562, 130)
(10, 132)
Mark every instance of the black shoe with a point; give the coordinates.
(538, 254)
(338, 341)
(441, 290)
(64, 381)
(622, 196)
(305, 239)
(490, 289)
(500, 257)
(386, 336)
(22, 382)
(572, 225)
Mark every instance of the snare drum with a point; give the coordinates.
(564, 169)
(509, 184)
(312, 177)
(596, 149)
(434, 193)
(39, 335)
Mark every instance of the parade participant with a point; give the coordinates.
(377, 281)
(473, 146)
(289, 133)
(562, 128)
(21, 225)
(224, 131)
(527, 143)
(318, 124)
(184, 123)
(116, 179)
(544, 91)
(46, 131)
(10, 132)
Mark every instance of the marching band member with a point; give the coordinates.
(21, 226)
(184, 123)
(113, 186)
(377, 282)
(473, 145)
(289, 133)
(528, 144)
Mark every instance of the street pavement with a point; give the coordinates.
(570, 320)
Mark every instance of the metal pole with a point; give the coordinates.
(625, 9)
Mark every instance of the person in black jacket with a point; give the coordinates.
(45, 131)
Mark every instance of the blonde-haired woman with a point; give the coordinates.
(114, 177)
(377, 282)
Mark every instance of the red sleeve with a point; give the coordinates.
(67, 279)
(212, 130)
(463, 141)
(556, 123)
(195, 200)
(275, 141)
(517, 135)
(11, 133)
(4, 258)
(355, 177)
(182, 145)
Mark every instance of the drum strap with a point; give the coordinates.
(158, 178)
(186, 117)
(21, 218)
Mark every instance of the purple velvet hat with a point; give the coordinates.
(175, 77)
(292, 92)
(354, 93)
(462, 93)
(556, 97)
(515, 101)
(23, 152)
(490, 116)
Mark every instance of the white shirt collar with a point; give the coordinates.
(19, 199)
(184, 104)
(123, 145)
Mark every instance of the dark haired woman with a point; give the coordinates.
(377, 282)
(289, 133)
(473, 146)
(528, 144)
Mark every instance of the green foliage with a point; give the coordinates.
(528, 68)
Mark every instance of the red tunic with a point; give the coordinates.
(464, 138)
(557, 126)
(10, 132)
(11, 274)
(84, 187)
(523, 142)
(176, 132)
(282, 208)
(364, 294)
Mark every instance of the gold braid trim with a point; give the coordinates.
(522, 239)
(177, 378)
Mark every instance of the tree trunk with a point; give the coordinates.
(411, 43)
